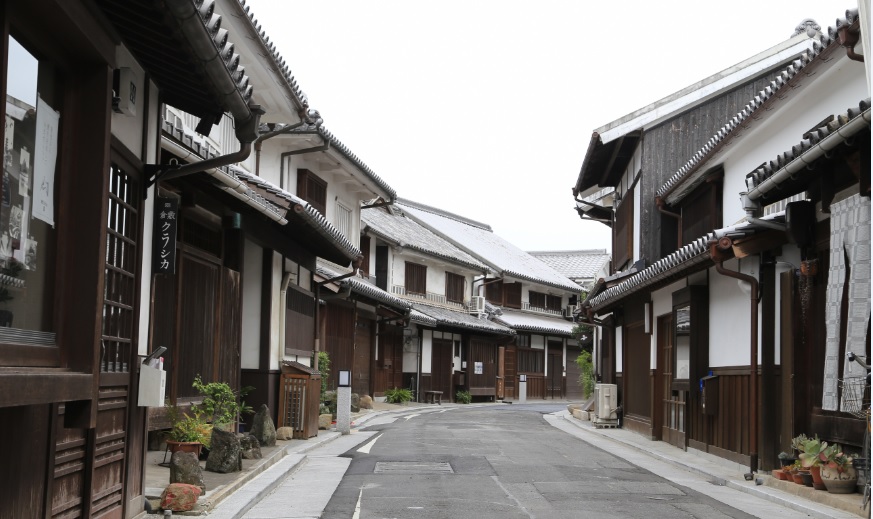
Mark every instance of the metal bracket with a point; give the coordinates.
(154, 172)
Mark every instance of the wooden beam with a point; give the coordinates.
(31, 388)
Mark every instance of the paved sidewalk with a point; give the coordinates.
(724, 480)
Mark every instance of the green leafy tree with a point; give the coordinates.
(324, 368)
(586, 379)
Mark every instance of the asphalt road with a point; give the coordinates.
(502, 462)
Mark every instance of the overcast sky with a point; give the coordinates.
(486, 108)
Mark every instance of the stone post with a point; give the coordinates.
(344, 409)
(522, 389)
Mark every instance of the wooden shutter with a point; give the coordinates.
(365, 250)
(312, 189)
(537, 299)
(454, 288)
(553, 303)
(623, 231)
(512, 295)
(701, 213)
(416, 279)
(494, 291)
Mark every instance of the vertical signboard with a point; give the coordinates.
(166, 212)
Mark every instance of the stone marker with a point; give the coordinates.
(366, 402)
(250, 447)
(284, 433)
(180, 497)
(225, 454)
(356, 403)
(185, 468)
(325, 421)
(263, 427)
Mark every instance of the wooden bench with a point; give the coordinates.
(433, 397)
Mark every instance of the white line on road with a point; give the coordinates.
(366, 448)
(411, 416)
(357, 513)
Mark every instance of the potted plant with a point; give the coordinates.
(797, 444)
(797, 473)
(811, 460)
(190, 432)
(785, 459)
(221, 404)
(837, 472)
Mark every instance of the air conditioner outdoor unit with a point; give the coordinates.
(605, 405)
(477, 305)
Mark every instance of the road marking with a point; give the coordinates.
(357, 513)
(366, 448)
(411, 416)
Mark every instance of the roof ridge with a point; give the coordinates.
(444, 213)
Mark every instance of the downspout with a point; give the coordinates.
(355, 266)
(269, 135)
(716, 251)
(283, 303)
(662, 208)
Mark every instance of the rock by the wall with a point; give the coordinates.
(263, 427)
(180, 497)
(225, 453)
(185, 468)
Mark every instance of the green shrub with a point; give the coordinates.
(324, 368)
(221, 404)
(463, 397)
(398, 395)
(586, 379)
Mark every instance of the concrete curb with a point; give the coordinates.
(761, 492)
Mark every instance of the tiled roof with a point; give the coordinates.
(360, 286)
(815, 143)
(456, 319)
(301, 208)
(764, 99)
(677, 264)
(404, 232)
(575, 264)
(291, 85)
(423, 319)
(481, 242)
(324, 133)
(521, 321)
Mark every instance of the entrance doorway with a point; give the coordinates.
(672, 399)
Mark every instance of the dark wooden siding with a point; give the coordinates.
(441, 367)
(195, 351)
(668, 147)
(388, 372)
(512, 295)
(623, 231)
(510, 368)
(339, 339)
(364, 329)
(365, 250)
(299, 322)
(312, 189)
(637, 356)
(484, 351)
(574, 388)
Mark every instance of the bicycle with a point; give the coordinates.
(854, 393)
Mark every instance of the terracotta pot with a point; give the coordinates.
(194, 447)
(797, 477)
(779, 474)
(839, 482)
(817, 483)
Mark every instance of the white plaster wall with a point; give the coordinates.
(729, 319)
(148, 211)
(832, 92)
(251, 305)
(619, 345)
(426, 350)
(538, 342)
(128, 129)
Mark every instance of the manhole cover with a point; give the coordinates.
(412, 467)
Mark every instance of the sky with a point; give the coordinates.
(486, 108)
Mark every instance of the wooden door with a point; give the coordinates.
(658, 395)
(510, 370)
(362, 356)
(441, 367)
(555, 379)
(199, 290)
(388, 368)
(673, 408)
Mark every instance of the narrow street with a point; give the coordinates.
(484, 461)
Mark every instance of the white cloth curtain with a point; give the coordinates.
(849, 250)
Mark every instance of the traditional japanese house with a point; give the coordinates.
(445, 347)
(720, 343)
(535, 301)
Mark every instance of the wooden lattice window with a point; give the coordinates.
(553, 303)
(416, 279)
(119, 296)
(701, 212)
(531, 361)
(512, 295)
(536, 299)
(312, 189)
(454, 288)
(494, 291)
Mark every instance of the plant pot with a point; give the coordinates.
(786, 462)
(839, 482)
(817, 483)
(778, 474)
(797, 477)
(806, 478)
(194, 447)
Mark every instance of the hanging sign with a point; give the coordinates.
(166, 212)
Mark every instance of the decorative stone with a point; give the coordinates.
(225, 454)
(329, 400)
(366, 402)
(263, 427)
(250, 447)
(180, 497)
(356, 403)
(325, 421)
(185, 468)
(284, 433)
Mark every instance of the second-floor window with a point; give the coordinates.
(343, 220)
(312, 189)
(365, 250)
(416, 279)
(543, 301)
(701, 212)
(454, 288)
(504, 294)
